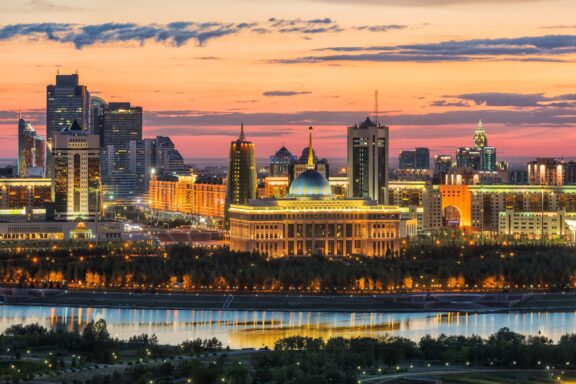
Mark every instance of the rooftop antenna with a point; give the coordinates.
(376, 117)
(58, 71)
(242, 132)
(76, 71)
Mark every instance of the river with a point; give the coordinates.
(255, 329)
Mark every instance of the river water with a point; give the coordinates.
(255, 329)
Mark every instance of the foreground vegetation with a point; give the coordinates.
(425, 265)
(92, 356)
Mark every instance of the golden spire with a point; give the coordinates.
(310, 164)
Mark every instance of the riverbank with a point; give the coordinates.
(437, 302)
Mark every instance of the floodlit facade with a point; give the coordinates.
(310, 220)
(546, 171)
(188, 195)
(24, 198)
(536, 225)
(51, 231)
(76, 170)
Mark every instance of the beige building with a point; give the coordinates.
(310, 220)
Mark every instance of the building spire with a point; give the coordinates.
(242, 137)
(310, 164)
(376, 113)
(480, 126)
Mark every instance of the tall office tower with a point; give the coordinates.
(98, 106)
(422, 158)
(419, 158)
(121, 130)
(480, 137)
(76, 168)
(169, 161)
(241, 181)
(442, 163)
(368, 160)
(468, 158)
(488, 159)
(406, 160)
(280, 162)
(31, 151)
(66, 101)
(546, 171)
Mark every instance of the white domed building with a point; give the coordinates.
(310, 220)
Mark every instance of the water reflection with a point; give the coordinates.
(242, 329)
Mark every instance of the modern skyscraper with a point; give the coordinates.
(66, 101)
(480, 137)
(98, 106)
(469, 158)
(419, 158)
(422, 158)
(121, 131)
(76, 169)
(368, 160)
(442, 164)
(241, 181)
(488, 160)
(406, 160)
(280, 162)
(31, 151)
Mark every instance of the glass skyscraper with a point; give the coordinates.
(31, 151)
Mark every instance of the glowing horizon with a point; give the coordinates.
(199, 70)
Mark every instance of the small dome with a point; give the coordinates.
(310, 184)
(367, 124)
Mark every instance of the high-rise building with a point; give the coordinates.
(469, 158)
(31, 151)
(488, 159)
(98, 106)
(66, 101)
(76, 186)
(368, 160)
(280, 162)
(241, 181)
(546, 171)
(406, 160)
(480, 136)
(442, 165)
(419, 158)
(121, 131)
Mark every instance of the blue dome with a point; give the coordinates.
(310, 184)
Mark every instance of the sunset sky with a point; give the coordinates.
(200, 68)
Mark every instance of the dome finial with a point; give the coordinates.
(310, 164)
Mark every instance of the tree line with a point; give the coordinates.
(420, 266)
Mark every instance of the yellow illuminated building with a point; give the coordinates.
(186, 195)
(311, 220)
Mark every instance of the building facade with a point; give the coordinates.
(24, 198)
(189, 195)
(368, 160)
(241, 181)
(310, 220)
(280, 162)
(121, 131)
(76, 169)
(31, 151)
(546, 171)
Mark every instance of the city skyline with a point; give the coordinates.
(280, 68)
